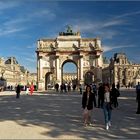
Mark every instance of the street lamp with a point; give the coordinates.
(2, 73)
(27, 77)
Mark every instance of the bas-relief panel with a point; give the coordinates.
(88, 45)
(86, 63)
(42, 44)
(68, 44)
(47, 62)
(46, 45)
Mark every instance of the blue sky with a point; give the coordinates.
(23, 22)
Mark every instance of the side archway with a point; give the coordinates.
(48, 80)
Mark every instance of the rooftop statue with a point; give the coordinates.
(69, 32)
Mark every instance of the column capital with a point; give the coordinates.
(57, 56)
(40, 57)
(81, 56)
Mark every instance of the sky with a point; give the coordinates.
(23, 22)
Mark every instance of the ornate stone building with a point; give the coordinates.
(121, 70)
(52, 54)
(12, 73)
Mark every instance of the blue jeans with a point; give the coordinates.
(107, 112)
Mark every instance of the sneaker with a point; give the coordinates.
(107, 126)
(109, 123)
(90, 124)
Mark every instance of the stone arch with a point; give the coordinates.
(62, 50)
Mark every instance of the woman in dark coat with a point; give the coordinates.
(87, 105)
(18, 90)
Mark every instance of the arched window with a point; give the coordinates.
(122, 61)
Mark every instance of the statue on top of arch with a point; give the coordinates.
(69, 32)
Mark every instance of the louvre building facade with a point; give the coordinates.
(121, 70)
(12, 73)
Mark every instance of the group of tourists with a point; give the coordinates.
(29, 89)
(107, 100)
(65, 87)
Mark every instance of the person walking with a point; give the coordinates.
(118, 86)
(115, 94)
(94, 89)
(106, 101)
(138, 97)
(27, 89)
(81, 88)
(31, 89)
(87, 105)
(57, 87)
(18, 90)
(100, 93)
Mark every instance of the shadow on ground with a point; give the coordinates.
(62, 115)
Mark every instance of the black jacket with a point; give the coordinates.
(18, 89)
(138, 92)
(89, 105)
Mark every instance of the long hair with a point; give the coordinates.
(87, 87)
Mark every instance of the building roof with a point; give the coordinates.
(11, 60)
(22, 69)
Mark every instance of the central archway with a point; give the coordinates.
(69, 72)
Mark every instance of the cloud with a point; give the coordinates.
(31, 60)
(103, 26)
(32, 69)
(31, 63)
(12, 26)
(13, 22)
(112, 23)
(19, 21)
(110, 48)
(9, 30)
(128, 14)
(8, 4)
(107, 34)
(98, 27)
(33, 46)
(47, 14)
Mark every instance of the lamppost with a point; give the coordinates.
(2, 73)
(27, 77)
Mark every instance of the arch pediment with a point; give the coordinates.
(138, 76)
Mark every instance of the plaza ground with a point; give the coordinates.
(51, 115)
